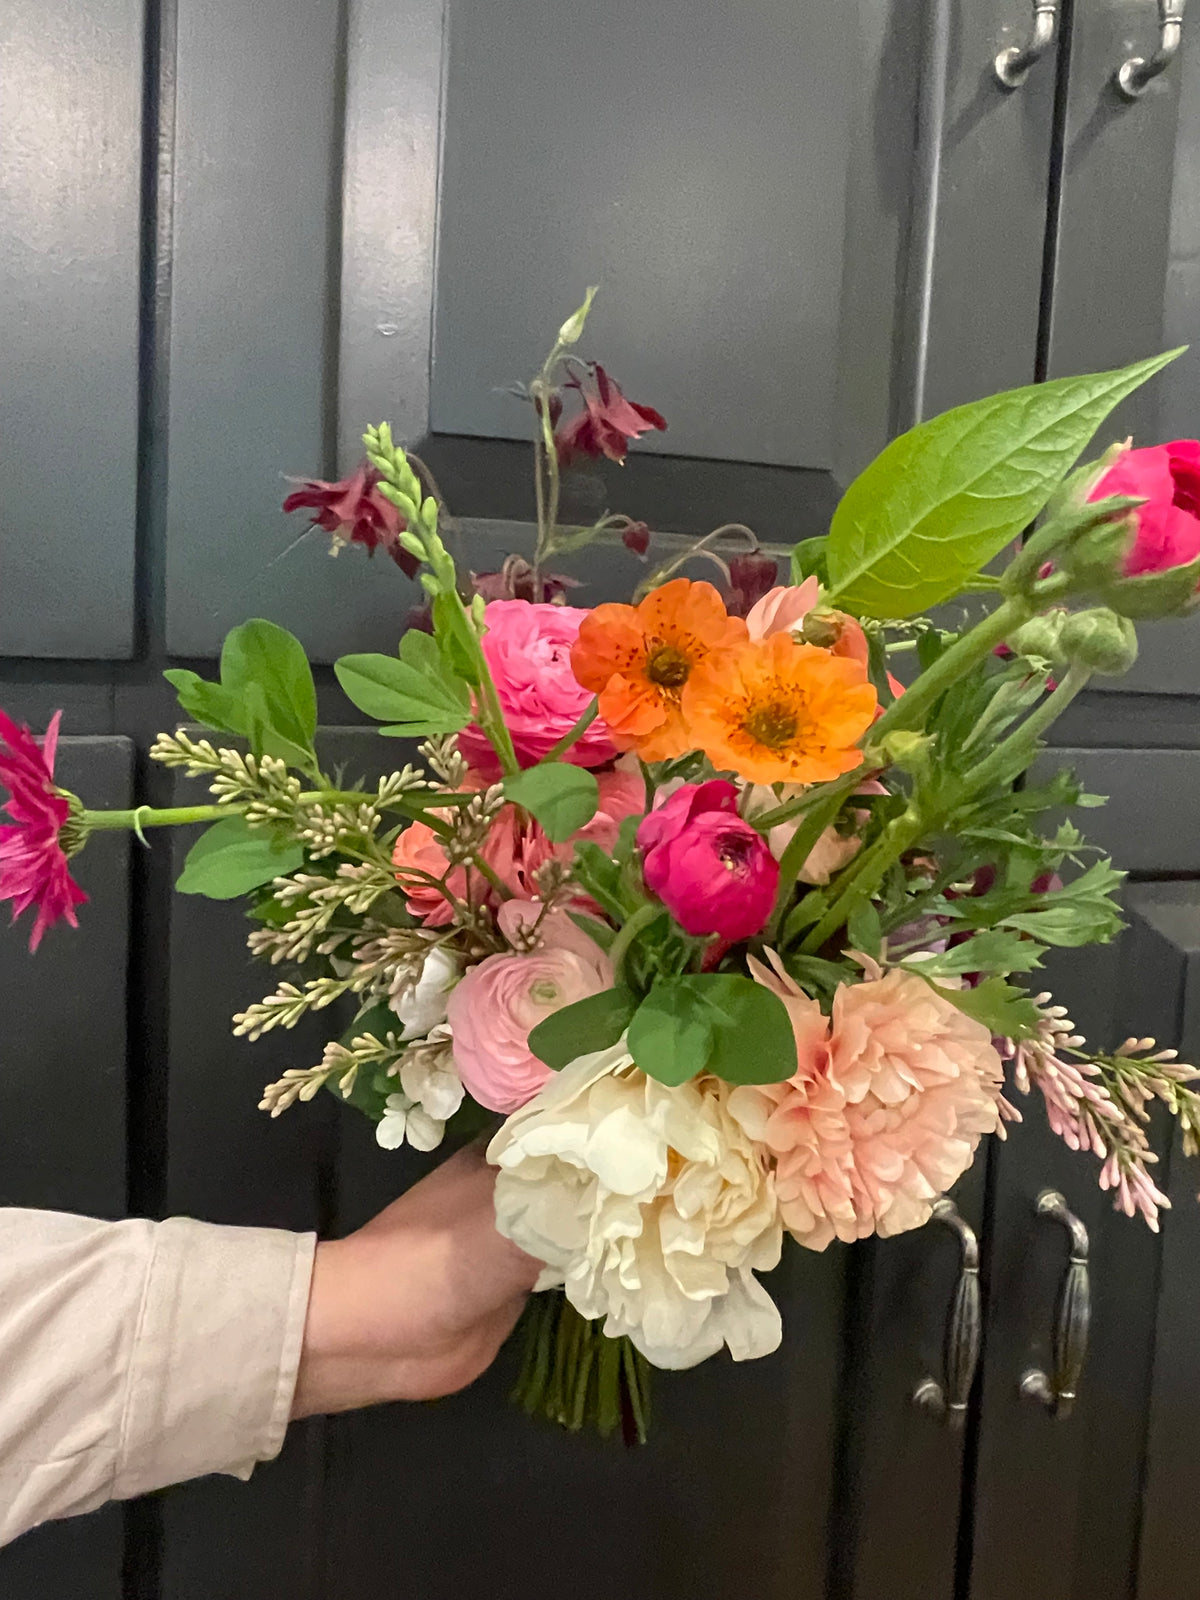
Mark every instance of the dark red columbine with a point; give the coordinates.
(751, 575)
(354, 511)
(636, 537)
(33, 863)
(608, 423)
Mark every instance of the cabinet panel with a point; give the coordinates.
(1149, 823)
(62, 1114)
(70, 181)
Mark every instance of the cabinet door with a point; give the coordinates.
(70, 196)
(1125, 253)
(62, 1115)
(791, 213)
(1058, 1503)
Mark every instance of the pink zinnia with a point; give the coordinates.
(890, 1099)
(33, 864)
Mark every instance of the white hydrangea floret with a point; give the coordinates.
(419, 998)
(651, 1206)
(431, 1091)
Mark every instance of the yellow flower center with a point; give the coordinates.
(668, 667)
(774, 724)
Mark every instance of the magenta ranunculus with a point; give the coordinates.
(1167, 477)
(712, 871)
(528, 650)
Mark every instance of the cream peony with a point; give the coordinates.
(652, 1207)
(890, 1099)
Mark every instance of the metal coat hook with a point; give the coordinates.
(1132, 76)
(1012, 65)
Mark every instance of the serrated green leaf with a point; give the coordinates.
(229, 859)
(1006, 1011)
(994, 950)
(414, 692)
(585, 1026)
(562, 797)
(716, 1022)
(945, 498)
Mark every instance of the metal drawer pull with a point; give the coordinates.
(1012, 65)
(963, 1329)
(1132, 76)
(1072, 1318)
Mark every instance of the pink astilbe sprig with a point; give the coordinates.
(33, 863)
(1102, 1103)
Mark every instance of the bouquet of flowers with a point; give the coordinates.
(719, 928)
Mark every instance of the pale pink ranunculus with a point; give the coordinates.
(885, 1111)
(528, 651)
(493, 1009)
(712, 870)
(784, 609)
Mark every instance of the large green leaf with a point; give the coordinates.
(229, 859)
(562, 797)
(719, 1022)
(582, 1027)
(415, 692)
(944, 499)
(261, 653)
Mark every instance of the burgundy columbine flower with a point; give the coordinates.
(608, 423)
(637, 538)
(33, 864)
(354, 510)
(752, 575)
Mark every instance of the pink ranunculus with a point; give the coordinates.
(712, 871)
(784, 609)
(528, 650)
(494, 1008)
(1167, 477)
(884, 1113)
(33, 864)
(419, 855)
(355, 512)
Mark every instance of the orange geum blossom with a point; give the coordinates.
(640, 659)
(778, 711)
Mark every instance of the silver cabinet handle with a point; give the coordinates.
(1072, 1318)
(1132, 76)
(1012, 65)
(964, 1326)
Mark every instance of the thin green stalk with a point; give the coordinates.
(153, 817)
(799, 848)
(573, 735)
(619, 948)
(1020, 744)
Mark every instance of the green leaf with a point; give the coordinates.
(415, 692)
(599, 932)
(229, 859)
(562, 797)
(208, 703)
(809, 557)
(448, 628)
(583, 1027)
(945, 498)
(994, 950)
(1006, 1011)
(864, 928)
(719, 1022)
(270, 658)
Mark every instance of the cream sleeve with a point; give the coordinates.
(137, 1354)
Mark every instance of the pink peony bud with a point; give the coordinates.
(712, 871)
(1167, 477)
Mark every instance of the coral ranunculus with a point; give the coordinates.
(780, 712)
(712, 871)
(33, 864)
(1167, 477)
(886, 1109)
(639, 659)
(528, 650)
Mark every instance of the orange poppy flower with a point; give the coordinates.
(777, 711)
(639, 659)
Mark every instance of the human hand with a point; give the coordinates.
(417, 1303)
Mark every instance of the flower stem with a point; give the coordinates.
(619, 948)
(573, 734)
(154, 817)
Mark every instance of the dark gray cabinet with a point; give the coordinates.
(231, 237)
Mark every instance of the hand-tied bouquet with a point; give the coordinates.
(716, 915)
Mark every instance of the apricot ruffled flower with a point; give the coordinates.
(639, 660)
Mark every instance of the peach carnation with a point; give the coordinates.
(889, 1101)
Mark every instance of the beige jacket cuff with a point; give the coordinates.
(216, 1353)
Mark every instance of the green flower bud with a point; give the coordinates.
(1099, 640)
(572, 328)
(908, 751)
(1040, 637)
